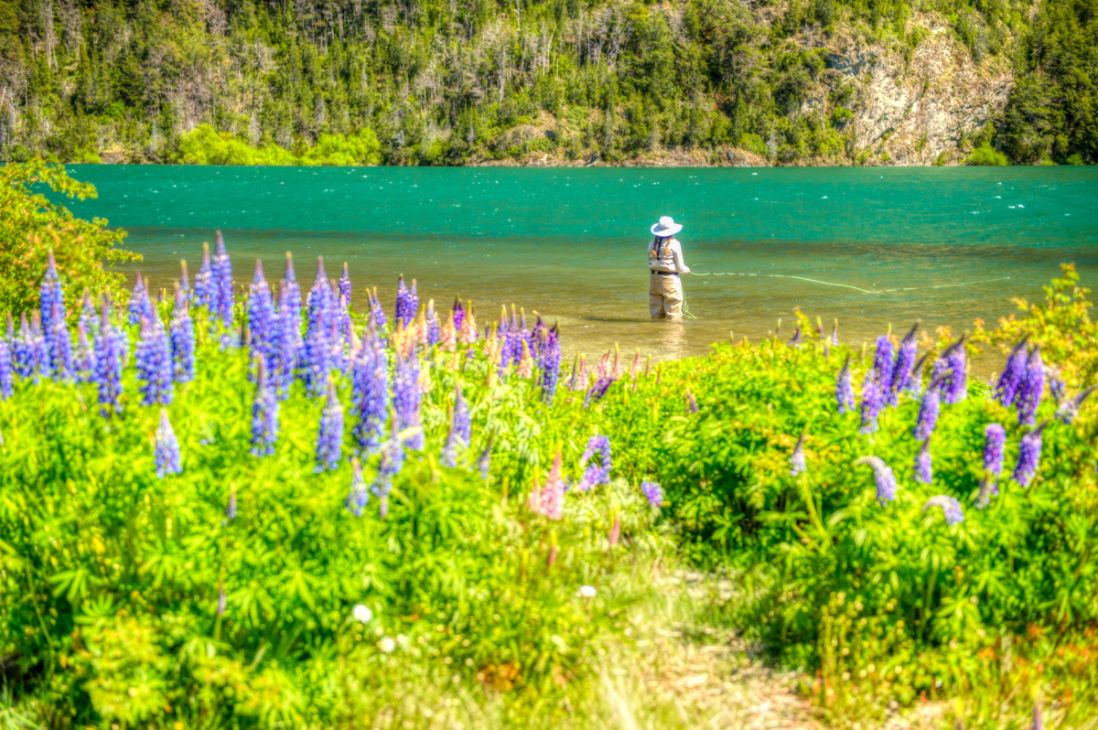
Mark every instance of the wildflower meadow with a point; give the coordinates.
(242, 503)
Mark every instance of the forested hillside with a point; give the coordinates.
(550, 81)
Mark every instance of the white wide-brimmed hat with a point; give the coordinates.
(666, 227)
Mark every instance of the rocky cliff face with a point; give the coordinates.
(918, 110)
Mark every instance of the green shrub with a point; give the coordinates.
(32, 226)
(986, 155)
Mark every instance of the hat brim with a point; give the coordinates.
(665, 232)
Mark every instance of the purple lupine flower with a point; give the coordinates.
(344, 286)
(181, 334)
(795, 340)
(928, 412)
(598, 391)
(329, 441)
(915, 380)
(882, 366)
(52, 298)
(956, 384)
(84, 362)
(1031, 388)
(370, 393)
(316, 360)
(431, 320)
(89, 318)
(1057, 388)
(204, 293)
(835, 333)
(951, 508)
(141, 306)
(484, 462)
(653, 493)
(901, 369)
(797, 463)
(392, 460)
(549, 362)
(264, 414)
(222, 280)
(1006, 389)
(1069, 409)
(288, 343)
(924, 469)
(38, 349)
(1029, 457)
(407, 302)
(289, 291)
(595, 473)
(110, 354)
(882, 474)
(154, 364)
(261, 317)
(458, 315)
(359, 497)
(844, 388)
(167, 448)
(184, 283)
(21, 353)
(59, 346)
(377, 312)
(460, 430)
(994, 439)
(5, 370)
(872, 400)
(406, 396)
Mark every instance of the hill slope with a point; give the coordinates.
(549, 81)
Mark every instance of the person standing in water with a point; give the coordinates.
(666, 265)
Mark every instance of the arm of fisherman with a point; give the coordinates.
(676, 255)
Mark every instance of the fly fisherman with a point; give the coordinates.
(665, 264)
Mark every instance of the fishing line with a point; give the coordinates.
(950, 285)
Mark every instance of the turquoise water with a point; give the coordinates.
(867, 246)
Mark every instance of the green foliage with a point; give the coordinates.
(986, 155)
(32, 226)
(253, 82)
(113, 576)
(204, 145)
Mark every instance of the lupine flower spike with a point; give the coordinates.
(167, 448)
(595, 472)
(6, 379)
(951, 508)
(222, 279)
(1031, 388)
(796, 459)
(1069, 408)
(329, 442)
(882, 474)
(844, 388)
(547, 499)
(956, 386)
(901, 370)
(924, 468)
(994, 439)
(460, 430)
(1029, 456)
(1006, 389)
(182, 338)
(109, 357)
(872, 400)
(265, 414)
(203, 281)
(653, 493)
(928, 412)
(392, 460)
(154, 364)
(359, 497)
(52, 299)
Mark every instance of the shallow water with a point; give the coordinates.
(867, 246)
